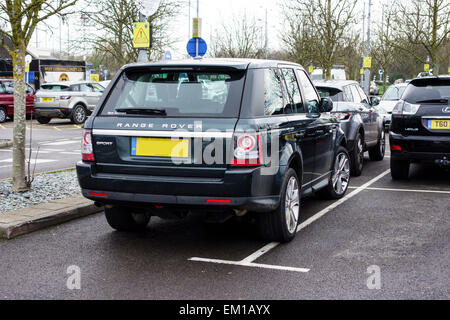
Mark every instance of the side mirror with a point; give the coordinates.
(374, 101)
(326, 105)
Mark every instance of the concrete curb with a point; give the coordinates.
(23, 221)
(5, 143)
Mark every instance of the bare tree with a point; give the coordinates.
(114, 18)
(383, 52)
(243, 38)
(299, 38)
(424, 23)
(328, 22)
(21, 18)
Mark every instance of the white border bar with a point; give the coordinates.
(165, 134)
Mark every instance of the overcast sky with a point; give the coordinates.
(213, 14)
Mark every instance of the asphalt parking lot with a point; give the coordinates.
(57, 145)
(398, 229)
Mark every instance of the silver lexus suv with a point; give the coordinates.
(72, 100)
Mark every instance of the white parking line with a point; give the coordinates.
(408, 190)
(250, 264)
(248, 261)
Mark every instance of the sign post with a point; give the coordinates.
(143, 35)
(28, 60)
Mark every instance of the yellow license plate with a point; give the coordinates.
(160, 147)
(47, 99)
(439, 124)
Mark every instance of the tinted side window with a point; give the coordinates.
(348, 95)
(312, 99)
(29, 89)
(85, 88)
(293, 90)
(75, 88)
(9, 87)
(97, 88)
(273, 94)
(356, 96)
(363, 95)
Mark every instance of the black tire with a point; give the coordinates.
(357, 157)
(43, 120)
(3, 114)
(273, 226)
(399, 169)
(79, 114)
(329, 192)
(377, 152)
(126, 219)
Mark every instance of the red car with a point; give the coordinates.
(7, 99)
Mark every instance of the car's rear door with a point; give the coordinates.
(321, 129)
(303, 127)
(370, 113)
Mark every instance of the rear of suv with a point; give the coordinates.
(420, 128)
(218, 136)
(72, 100)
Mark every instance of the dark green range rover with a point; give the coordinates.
(221, 136)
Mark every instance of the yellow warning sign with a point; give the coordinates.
(141, 35)
(426, 67)
(95, 77)
(311, 69)
(367, 62)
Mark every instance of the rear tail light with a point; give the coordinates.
(405, 108)
(87, 152)
(65, 97)
(247, 151)
(396, 147)
(342, 115)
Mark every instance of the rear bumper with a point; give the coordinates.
(52, 112)
(247, 189)
(432, 149)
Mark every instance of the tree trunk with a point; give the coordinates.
(19, 132)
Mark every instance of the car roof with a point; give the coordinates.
(236, 63)
(337, 84)
(430, 79)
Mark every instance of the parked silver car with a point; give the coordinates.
(72, 100)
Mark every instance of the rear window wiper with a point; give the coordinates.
(433, 100)
(142, 111)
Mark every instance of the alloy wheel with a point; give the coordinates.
(341, 176)
(2, 115)
(80, 115)
(292, 204)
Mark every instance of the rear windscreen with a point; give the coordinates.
(430, 90)
(394, 93)
(179, 93)
(332, 93)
